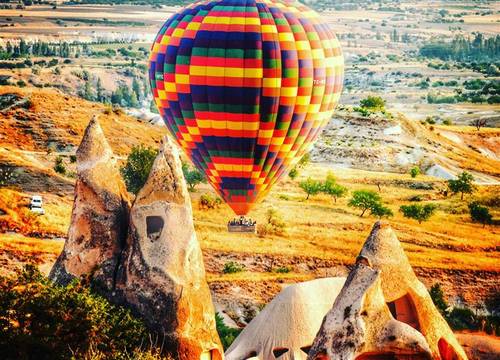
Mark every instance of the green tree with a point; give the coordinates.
(437, 296)
(479, 213)
(226, 334)
(136, 170)
(311, 187)
(373, 103)
(293, 173)
(418, 212)
(136, 87)
(274, 225)
(414, 171)
(333, 189)
(463, 184)
(88, 91)
(380, 211)
(192, 176)
(99, 91)
(366, 200)
(153, 108)
(304, 160)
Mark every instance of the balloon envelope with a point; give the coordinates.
(245, 86)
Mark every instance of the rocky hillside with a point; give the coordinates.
(382, 143)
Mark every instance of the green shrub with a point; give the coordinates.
(293, 173)
(283, 270)
(447, 122)
(479, 213)
(373, 103)
(136, 170)
(21, 83)
(232, 267)
(59, 166)
(72, 159)
(418, 212)
(226, 334)
(208, 201)
(414, 171)
(45, 321)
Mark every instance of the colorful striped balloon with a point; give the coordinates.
(245, 86)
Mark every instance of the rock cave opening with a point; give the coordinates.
(154, 226)
(404, 310)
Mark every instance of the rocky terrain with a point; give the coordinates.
(395, 144)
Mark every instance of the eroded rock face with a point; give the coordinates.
(163, 276)
(99, 219)
(384, 311)
(286, 328)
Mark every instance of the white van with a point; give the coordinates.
(36, 204)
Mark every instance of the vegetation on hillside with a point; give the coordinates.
(48, 321)
(463, 318)
(462, 48)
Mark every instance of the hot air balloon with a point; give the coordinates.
(245, 87)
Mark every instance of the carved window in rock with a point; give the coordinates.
(251, 355)
(277, 352)
(154, 227)
(404, 310)
(446, 351)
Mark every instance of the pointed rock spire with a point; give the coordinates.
(166, 180)
(94, 146)
(163, 275)
(99, 219)
(384, 309)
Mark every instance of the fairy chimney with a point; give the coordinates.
(286, 327)
(163, 275)
(384, 311)
(100, 215)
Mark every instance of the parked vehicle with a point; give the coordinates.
(36, 204)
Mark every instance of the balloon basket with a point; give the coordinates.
(242, 225)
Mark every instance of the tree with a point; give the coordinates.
(463, 184)
(418, 212)
(193, 176)
(365, 200)
(380, 211)
(414, 171)
(479, 213)
(333, 189)
(437, 296)
(136, 170)
(311, 187)
(136, 87)
(479, 123)
(304, 160)
(99, 91)
(88, 92)
(293, 173)
(374, 103)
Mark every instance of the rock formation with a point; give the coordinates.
(99, 219)
(147, 257)
(286, 327)
(163, 275)
(384, 311)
